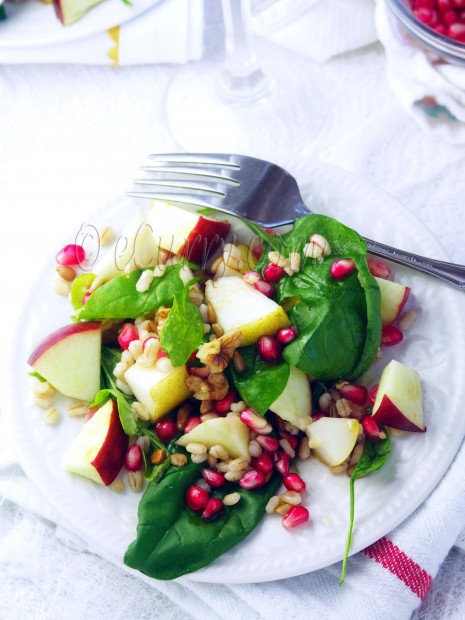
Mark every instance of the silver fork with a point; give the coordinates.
(258, 191)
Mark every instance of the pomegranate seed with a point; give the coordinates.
(444, 5)
(458, 4)
(292, 439)
(354, 392)
(270, 444)
(293, 482)
(295, 516)
(90, 413)
(425, 4)
(370, 428)
(286, 335)
(281, 462)
(127, 335)
(71, 255)
(263, 287)
(379, 269)
(457, 32)
(192, 422)
(161, 353)
(250, 277)
(341, 268)
(214, 478)
(270, 231)
(86, 297)
(263, 463)
(212, 509)
(372, 395)
(133, 460)
(391, 335)
(441, 29)
(166, 429)
(269, 349)
(252, 479)
(318, 415)
(196, 497)
(224, 405)
(449, 18)
(257, 250)
(255, 421)
(273, 273)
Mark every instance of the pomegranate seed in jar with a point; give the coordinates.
(444, 5)
(71, 254)
(166, 429)
(263, 287)
(127, 335)
(133, 460)
(269, 349)
(286, 335)
(449, 18)
(252, 479)
(224, 405)
(379, 269)
(391, 335)
(341, 268)
(263, 463)
(295, 516)
(354, 392)
(214, 478)
(457, 32)
(441, 29)
(273, 273)
(293, 482)
(281, 463)
(270, 444)
(196, 497)
(370, 428)
(192, 422)
(212, 509)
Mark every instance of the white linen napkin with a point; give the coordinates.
(169, 32)
(432, 92)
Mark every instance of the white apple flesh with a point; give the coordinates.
(69, 359)
(98, 451)
(333, 439)
(393, 298)
(230, 433)
(295, 401)
(238, 306)
(399, 399)
(158, 391)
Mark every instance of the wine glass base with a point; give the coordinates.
(287, 118)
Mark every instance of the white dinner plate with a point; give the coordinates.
(34, 23)
(434, 347)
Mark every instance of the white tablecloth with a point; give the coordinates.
(71, 138)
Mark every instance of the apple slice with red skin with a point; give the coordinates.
(399, 399)
(69, 359)
(70, 11)
(186, 233)
(98, 451)
(393, 298)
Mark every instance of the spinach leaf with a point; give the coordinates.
(79, 288)
(374, 456)
(154, 473)
(183, 330)
(260, 384)
(173, 540)
(119, 298)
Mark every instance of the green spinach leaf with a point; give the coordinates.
(119, 298)
(373, 458)
(183, 330)
(172, 540)
(261, 383)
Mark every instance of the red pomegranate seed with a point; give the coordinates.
(370, 428)
(196, 497)
(133, 460)
(224, 405)
(372, 395)
(449, 18)
(263, 287)
(424, 4)
(281, 463)
(444, 5)
(263, 463)
(391, 335)
(379, 269)
(270, 444)
(441, 29)
(257, 249)
(71, 255)
(341, 268)
(161, 353)
(86, 297)
(254, 421)
(294, 482)
(127, 335)
(295, 516)
(192, 422)
(286, 335)
(273, 273)
(458, 4)
(90, 413)
(457, 32)
(214, 478)
(212, 509)
(269, 349)
(292, 439)
(354, 392)
(318, 415)
(252, 479)
(166, 429)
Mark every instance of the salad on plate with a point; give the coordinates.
(67, 11)
(209, 358)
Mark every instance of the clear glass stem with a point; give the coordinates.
(242, 80)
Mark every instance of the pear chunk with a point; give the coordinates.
(295, 401)
(333, 439)
(230, 433)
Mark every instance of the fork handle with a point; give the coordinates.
(454, 274)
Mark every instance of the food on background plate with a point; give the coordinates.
(219, 374)
(446, 17)
(67, 11)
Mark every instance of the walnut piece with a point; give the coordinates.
(217, 353)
